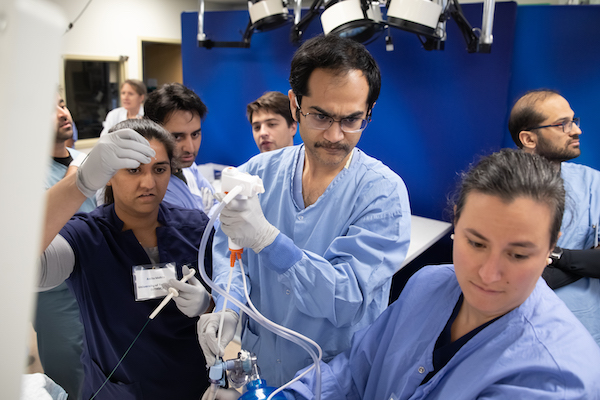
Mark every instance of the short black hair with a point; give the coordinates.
(171, 97)
(339, 55)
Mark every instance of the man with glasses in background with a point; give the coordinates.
(324, 240)
(542, 122)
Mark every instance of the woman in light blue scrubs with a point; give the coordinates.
(487, 327)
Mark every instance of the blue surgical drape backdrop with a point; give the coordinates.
(438, 110)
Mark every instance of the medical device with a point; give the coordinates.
(172, 293)
(235, 183)
(243, 371)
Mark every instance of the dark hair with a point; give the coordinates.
(137, 85)
(336, 54)
(275, 102)
(150, 130)
(509, 174)
(524, 114)
(172, 97)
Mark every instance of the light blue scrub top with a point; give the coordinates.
(179, 194)
(537, 351)
(328, 273)
(580, 231)
(57, 171)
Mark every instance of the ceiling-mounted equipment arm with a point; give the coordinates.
(465, 27)
(244, 43)
(487, 23)
(428, 20)
(203, 41)
(298, 29)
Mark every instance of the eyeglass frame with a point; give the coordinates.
(576, 121)
(333, 120)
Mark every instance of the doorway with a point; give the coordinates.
(161, 63)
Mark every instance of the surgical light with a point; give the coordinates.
(264, 15)
(417, 16)
(268, 14)
(428, 18)
(354, 19)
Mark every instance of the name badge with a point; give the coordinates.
(148, 280)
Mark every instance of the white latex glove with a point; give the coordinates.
(124, 148)
(77, 161)
(193, 298)
(243, 221)
(208, 199)
(208, 330)
(221, 394)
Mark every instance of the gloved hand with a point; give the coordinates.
(208, 330)
(221, 394)
(208, 199)
(243, 221)
(124, 148)
(77, 161)
(193, 298)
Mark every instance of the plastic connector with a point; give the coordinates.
(236, 253)
(216, 373)
(235, 183)
(251, 184)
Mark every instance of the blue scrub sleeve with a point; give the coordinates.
(282, 254)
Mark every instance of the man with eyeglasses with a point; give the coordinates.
(542, 122)
(324, 240)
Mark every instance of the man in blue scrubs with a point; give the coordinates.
(333, 226)
(180, 111)
(57, 324)
(542, 122)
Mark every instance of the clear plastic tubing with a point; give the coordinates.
(277, 329)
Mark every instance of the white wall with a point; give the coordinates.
(113, 28)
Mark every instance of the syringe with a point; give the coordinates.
(172, 293)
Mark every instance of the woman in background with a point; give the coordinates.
(133, 94)
(487, 327)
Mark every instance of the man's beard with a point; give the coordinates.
(547, 150)
(64, 134)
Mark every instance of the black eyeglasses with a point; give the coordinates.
(323, 122)
(567, 126)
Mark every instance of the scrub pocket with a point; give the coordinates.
(249, 338)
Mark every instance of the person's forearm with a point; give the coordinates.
(580, 262)
(62, 202)
(557, 278)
